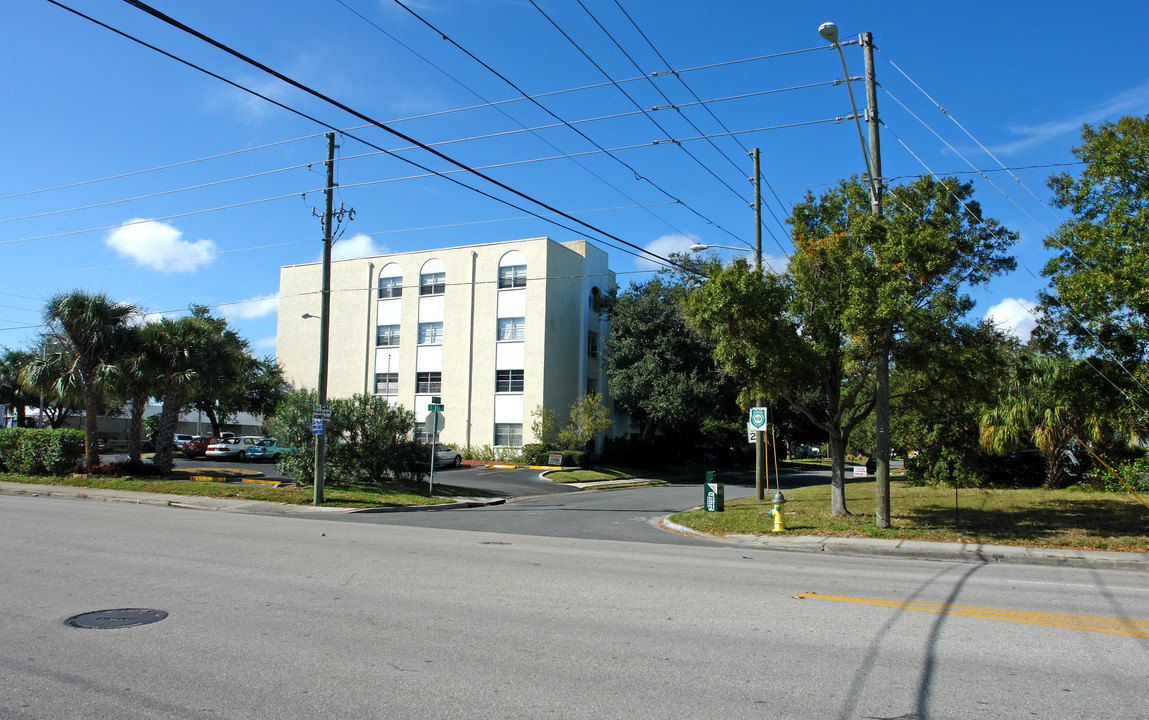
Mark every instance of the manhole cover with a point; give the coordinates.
(111, 619)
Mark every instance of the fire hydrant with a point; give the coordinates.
(779, 512)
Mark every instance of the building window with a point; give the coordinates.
(592, 344)
(513, 276)
(386, 383)
(432, 283)
(387, 336)
(431, 333)
(512, 328)
(508, 381)
(592, 386)
(509, 434)
(428, 382)
(390, 287)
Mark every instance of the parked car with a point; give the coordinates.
(267, 451)
(178, 442)
(197, 446)
(223, 449)
(446, 456)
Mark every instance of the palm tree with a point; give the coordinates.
(135, 383)
(12, 362)
(89, 329)
(46, 375)
(184, 345)
(1037, 410)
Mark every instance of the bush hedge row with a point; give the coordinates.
(35, 451)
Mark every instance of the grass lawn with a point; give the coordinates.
(1037, 518)
(579, 476)
(389, 494)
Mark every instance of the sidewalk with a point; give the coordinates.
(923, 550)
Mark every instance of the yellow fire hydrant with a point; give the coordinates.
(779, 512)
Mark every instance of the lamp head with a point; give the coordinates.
(308, 316)
(829, 31)
(698, 247)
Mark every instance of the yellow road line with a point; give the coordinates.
(1112, 626)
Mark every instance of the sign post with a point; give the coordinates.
(435, 412)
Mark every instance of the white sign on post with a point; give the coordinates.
(751, 434)
(859, 471)
(758, 418)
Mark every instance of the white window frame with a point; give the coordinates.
(512, 276)
(510, 432)
(431, 333)
(513, 328)
(434, 283)
(392, 336)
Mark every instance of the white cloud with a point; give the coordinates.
(663, 246)
(1133, 101)
(160, 246)
(267, 343)
(251, 308)
(356, 246)
(1015, 316)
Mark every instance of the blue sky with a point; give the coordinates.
(89, 117)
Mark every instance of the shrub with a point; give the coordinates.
(34, 451)
(1130, 475)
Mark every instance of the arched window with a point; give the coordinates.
(512, 270)
(433, 277)
(391, 281)
(595, 294)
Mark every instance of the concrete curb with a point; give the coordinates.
(923, 550)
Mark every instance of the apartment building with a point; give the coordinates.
(493, 330)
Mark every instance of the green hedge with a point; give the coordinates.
(536, 454)
(33, 451)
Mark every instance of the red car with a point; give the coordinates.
(197, 446)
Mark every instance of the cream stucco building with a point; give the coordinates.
(494, 330)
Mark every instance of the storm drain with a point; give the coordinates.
(113, 619)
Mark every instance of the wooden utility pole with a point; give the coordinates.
(325, 319)
(882, 389)
(760, 436)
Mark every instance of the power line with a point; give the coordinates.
(184, 28)
(506, 115)
(637, 175)
(157, 168)
(678, 76)
(637, 105)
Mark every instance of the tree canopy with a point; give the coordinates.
(661, 372)
(1099, 300)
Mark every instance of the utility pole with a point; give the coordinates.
(760, 436)
(882, 391)
(325, 318)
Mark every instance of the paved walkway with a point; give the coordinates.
(910, 549)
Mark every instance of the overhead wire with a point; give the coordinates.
(1037, 318)
(677, 75)
(466, 87)
(314, 93)
(508, 81)
(629, 97)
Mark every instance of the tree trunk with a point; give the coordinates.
(91, 427)
(838, 475)
(173, 401)
(136, 427)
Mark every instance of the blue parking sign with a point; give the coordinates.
(317, 426)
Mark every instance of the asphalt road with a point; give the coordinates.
(273, 617)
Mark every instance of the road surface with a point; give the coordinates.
(279, 617)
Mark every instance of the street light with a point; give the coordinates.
(829, 32)
(702, 247)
